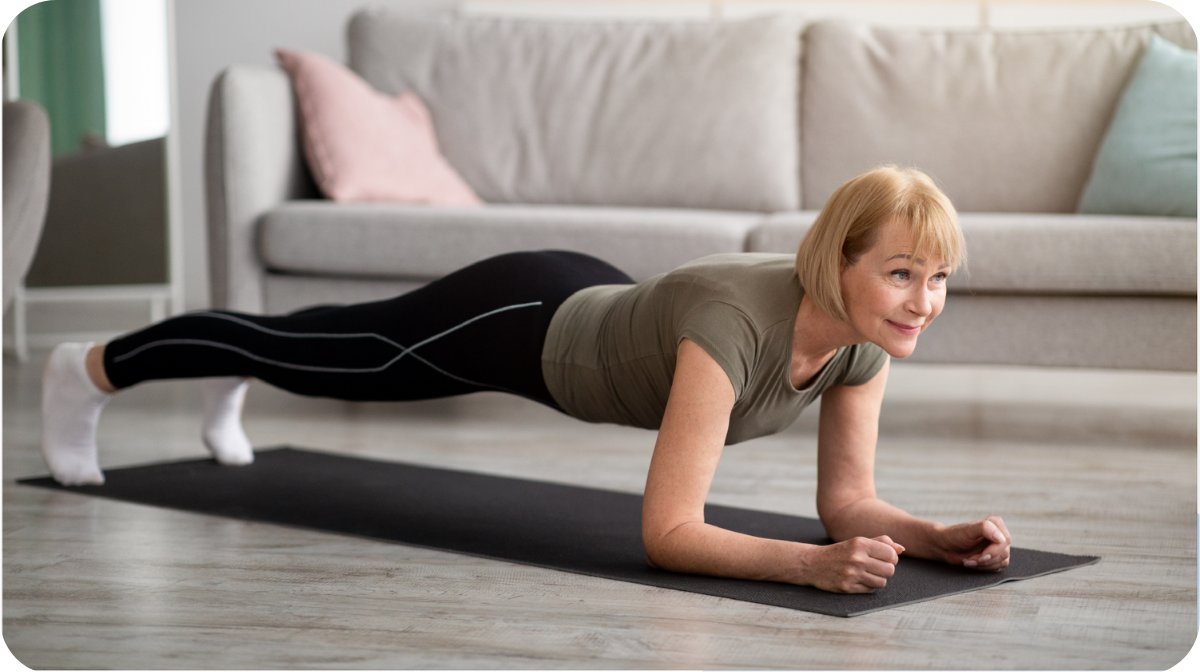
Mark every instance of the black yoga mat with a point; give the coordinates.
(569, 528)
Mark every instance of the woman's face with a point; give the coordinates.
(890, 296)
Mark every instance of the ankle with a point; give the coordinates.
(223, 433)
(94, 362)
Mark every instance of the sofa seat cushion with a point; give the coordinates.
(1120, 332)
(1004, 121)
(285, 293)
(1048, 254)
(688, 114)
(401, 241)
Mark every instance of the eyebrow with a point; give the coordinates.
(909, 256)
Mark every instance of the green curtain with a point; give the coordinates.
(61, 64)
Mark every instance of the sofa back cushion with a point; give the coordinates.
(681, 114)
(1005, 122)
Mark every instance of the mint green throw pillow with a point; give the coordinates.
(1147, 162)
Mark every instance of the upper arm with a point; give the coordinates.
(846, 440)
(689, 443)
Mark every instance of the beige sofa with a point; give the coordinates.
(652, 143)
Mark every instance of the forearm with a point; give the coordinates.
(871, 517)
(700, 548)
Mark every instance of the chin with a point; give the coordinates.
(898, 350)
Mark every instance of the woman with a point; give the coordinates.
(721, 350)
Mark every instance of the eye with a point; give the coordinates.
(900, 274)
(941, 277)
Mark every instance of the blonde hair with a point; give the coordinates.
(849, 225)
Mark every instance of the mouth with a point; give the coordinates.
(905, 329)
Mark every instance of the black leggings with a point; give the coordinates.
(479, 328)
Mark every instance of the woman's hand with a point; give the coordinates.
(857, 565)
(981, 544)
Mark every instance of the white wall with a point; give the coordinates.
(211, 34)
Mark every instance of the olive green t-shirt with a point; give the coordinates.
(610, 352)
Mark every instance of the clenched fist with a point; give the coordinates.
(857, 565)
(982, 544)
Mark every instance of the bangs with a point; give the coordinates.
(935, 229)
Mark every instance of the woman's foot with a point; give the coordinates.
(71, 405)
(222, 433)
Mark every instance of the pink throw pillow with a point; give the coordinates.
(363, 145)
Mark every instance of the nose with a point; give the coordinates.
(921, 300)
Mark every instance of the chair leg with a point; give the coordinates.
(20, 337)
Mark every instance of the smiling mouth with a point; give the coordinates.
(905, 329)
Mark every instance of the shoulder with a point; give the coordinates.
(761, 286)
(863, 361)
(729, 305)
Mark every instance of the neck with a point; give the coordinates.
(817, 334)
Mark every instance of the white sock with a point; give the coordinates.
(223, 433)
(71, 405)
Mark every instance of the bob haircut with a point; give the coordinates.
(849, 225)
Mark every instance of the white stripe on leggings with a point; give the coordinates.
(326, 369)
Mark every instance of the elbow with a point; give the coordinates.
(662, 548)
(838, 517)
(657, 555)
(834, 530)
(829, 520)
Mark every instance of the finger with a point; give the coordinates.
(984, 557)
(993, 531)
(988, 530)
(998, 538)
(997, 561)
(989, 562)
(859, 587)
(880, 550)
(860, 580)
(873, 581)
(992, 551)
(990, 567)
(999, 522)
(879, 568)
(888, 540)
(980, 559)
(976, 555)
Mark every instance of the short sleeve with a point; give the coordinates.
(865, 360)
(727, 334)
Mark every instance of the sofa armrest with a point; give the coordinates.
(253, 162)
(26, 188)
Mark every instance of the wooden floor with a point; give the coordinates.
(90, 583)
